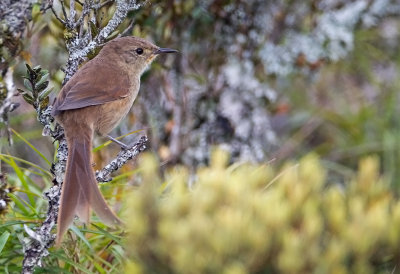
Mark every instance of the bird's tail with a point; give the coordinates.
(80, 191)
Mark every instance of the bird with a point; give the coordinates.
(95, 100)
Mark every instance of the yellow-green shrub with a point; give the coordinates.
(249, 219)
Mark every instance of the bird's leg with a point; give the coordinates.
(118, 142)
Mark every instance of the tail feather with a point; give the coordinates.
(80, 190)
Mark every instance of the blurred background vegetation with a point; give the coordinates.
(269, 82)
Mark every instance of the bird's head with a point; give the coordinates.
(135, 53)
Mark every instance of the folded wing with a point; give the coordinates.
(93, 84)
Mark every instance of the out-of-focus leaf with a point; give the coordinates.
(14, 222)
(3, 157)
(22, 178)
(3, 239)
(18, 202)
(65, 259)
(81, 236)
(35, 12)
(32, 147)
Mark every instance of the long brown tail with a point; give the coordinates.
(80, 190)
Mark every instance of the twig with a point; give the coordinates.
(122, 158)
(72, 12)
(99, 6)
(63, 10)
(85, 12)
(56, 15)
(79, 2)
(128, 29)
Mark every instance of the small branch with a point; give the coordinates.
(72, 12)
(79, 2)
(122, 158)
(56, 15)
(85, 12)
(99, 6)
(128, 29)
(63, 10)
(35, 247)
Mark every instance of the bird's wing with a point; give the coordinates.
(94, 84)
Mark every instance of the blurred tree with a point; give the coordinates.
(236, 56)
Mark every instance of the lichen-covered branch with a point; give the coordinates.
(35, 247)
(79, 44)
(122, 158)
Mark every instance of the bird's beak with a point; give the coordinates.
(164, 50)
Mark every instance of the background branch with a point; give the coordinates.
(14, 16)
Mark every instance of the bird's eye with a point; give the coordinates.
(139, 51)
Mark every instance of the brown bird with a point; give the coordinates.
(96, 99)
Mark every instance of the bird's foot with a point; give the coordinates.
(123, 146)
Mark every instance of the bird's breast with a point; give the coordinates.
(113, 112)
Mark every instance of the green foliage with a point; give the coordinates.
(37, 87)
(26, 207)
(251, 219)
(86, 250)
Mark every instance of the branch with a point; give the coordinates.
(56, 15)
(78, 47)
(42, 239)
(122, 158)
